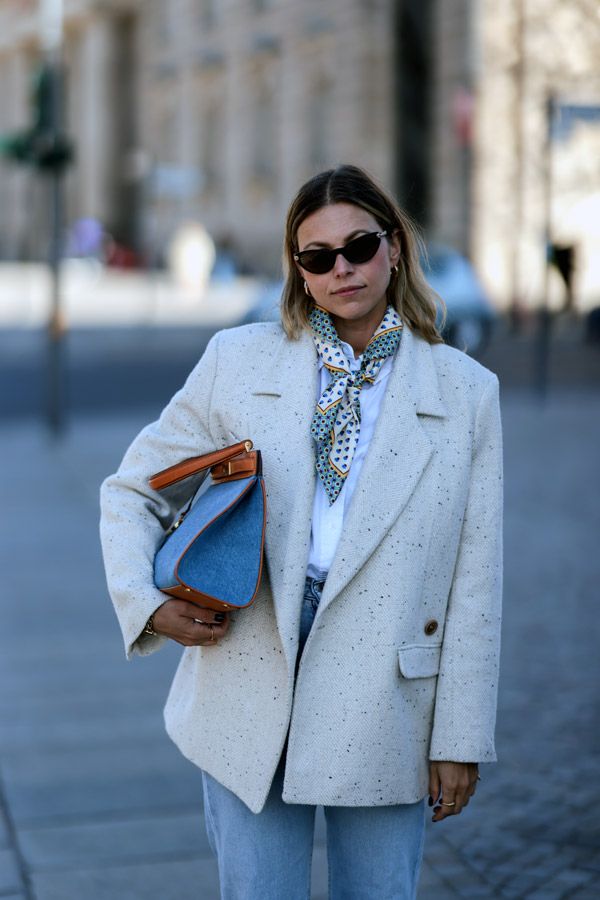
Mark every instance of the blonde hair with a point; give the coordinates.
(408, 291)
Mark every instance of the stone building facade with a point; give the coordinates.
(216, 110)
(526, 187)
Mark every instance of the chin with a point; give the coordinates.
(350, 310)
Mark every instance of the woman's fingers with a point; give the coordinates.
(448, 805)
(213, 624)
(205, 632)
(203, 614)
(434, 784)
(189, 624)
(458, 783)
(209, 632)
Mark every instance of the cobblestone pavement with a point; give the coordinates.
(95, 801)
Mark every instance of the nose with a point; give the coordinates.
(341, 266)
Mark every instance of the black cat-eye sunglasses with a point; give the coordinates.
(359, 250)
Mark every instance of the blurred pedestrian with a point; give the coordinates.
(191, 259)
(364, 676)
(86, 239)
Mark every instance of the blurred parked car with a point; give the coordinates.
(469, 313)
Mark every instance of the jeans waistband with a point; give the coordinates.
(317, 580)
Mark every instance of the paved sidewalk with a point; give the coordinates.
(94, 800)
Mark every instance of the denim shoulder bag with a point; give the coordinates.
(213, 551)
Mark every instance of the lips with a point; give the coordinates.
(349, 289)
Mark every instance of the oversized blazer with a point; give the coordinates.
(401, 664)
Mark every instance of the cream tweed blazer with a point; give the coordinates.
(401, 665)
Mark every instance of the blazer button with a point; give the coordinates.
(431, 627)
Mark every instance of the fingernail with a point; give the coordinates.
(219, 617)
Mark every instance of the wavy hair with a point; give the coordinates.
(408, 291)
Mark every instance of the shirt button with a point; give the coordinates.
(431, 627)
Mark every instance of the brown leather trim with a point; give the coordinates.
(241, 467)
(183, 593)
(195, 464)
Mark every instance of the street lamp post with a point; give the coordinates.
(51, 29)
(542, 355)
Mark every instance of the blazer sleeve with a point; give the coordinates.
(133, 516)
(465, 708)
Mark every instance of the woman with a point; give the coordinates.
(364, 676)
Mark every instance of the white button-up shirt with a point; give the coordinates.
(328, 521)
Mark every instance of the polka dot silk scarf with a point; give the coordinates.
(336, 423)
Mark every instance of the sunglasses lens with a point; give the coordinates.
(317, 261)
(362, 249)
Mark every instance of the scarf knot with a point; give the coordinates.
(336, 423)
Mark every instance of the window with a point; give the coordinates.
(209, 13)
(162, 18)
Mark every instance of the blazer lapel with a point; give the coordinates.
(289, 392)
(397, 457)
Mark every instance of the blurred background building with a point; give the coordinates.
(216, 110)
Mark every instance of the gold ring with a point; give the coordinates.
(449, 804)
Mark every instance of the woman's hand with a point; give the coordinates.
(451, 786)
(190, 624)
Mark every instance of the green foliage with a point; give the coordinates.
(17, 146)
(44, 145)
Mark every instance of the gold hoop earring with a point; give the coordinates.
(394, 270)
(306, 290)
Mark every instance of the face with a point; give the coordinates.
(350, 292)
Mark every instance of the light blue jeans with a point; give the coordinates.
(373, 852)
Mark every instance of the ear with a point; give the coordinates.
(395, 247)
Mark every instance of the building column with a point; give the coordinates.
(97, 134)
(455, 61)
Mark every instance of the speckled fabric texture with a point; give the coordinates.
(401, 664)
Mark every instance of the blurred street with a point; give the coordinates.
(96, 802)
(111, 368)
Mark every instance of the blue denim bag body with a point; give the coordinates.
(214, 554)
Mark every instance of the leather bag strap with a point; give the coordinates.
(196, 464)
(242, 466)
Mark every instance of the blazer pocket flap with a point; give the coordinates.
(419, 661)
